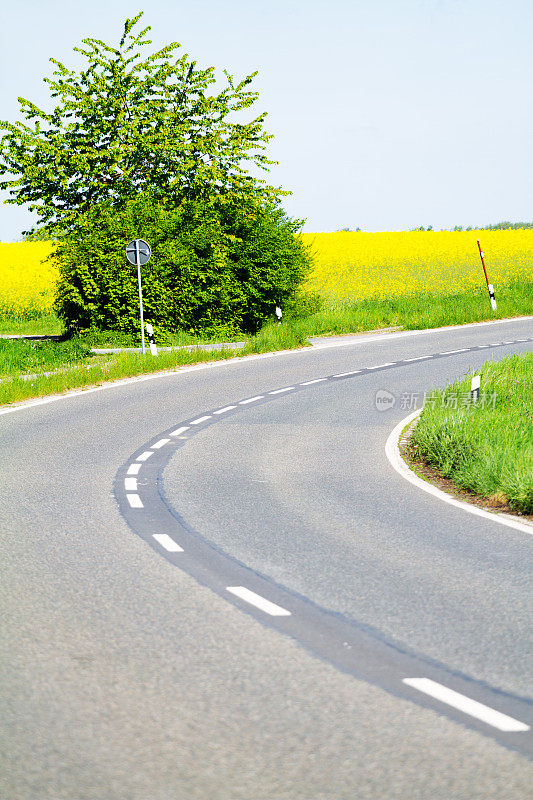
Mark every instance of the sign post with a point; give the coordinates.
(138, 252)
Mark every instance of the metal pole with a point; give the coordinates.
(138, 259)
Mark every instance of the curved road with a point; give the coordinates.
(216, 586)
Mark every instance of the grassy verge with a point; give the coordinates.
(81, 369)
(414, 311)
(486, 448)
(73, 367)
(97, 370)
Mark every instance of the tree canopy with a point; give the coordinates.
(125, 125)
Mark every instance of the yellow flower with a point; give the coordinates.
(25, 281)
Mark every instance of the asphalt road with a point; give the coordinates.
(131, 671)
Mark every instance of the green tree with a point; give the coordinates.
(124, 125)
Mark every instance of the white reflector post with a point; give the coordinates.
(490, 287)
(151, 339)
(474, 388)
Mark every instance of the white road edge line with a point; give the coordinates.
(467, 705)
(135, 501)
(133, 469)
(223, 410)
(251, 399)
(145, 455)
(167, 542)
(393, 454)
(259, 602)
(179, 431)
(238, 360)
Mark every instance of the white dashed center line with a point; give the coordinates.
(429, 687)
(259, 602)
(223, 410)
(451, 352)
(465, 704)
(160, 443)
(169, 544)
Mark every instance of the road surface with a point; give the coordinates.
(261, 608)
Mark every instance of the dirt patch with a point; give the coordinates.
(496, 503)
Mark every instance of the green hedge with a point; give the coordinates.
(215, 268)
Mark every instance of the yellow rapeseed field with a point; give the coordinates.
(346, 265)
(357, 265)
(25, 281)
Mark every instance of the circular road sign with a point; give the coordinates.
(138, 252)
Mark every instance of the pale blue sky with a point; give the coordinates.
(387, 114)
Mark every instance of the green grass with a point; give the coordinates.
(23, 357)
(414, 311)
(96, 370)
(486, 448)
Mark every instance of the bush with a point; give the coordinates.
(215, 268)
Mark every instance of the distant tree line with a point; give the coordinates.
(498, 226)
(503, 226)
